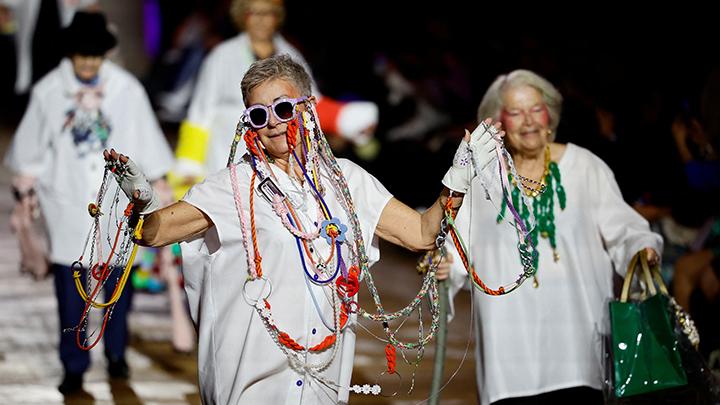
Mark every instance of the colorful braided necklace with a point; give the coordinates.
(346, 285)
(318, 155)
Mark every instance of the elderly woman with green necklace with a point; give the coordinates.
(544, 342)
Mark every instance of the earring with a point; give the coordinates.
(549, 132)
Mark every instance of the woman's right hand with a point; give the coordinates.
(133, 182)
(443, 270)
(478, 147)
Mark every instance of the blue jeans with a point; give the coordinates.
(70, 307)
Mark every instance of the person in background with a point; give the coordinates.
(698, 269)
(84, 105)
(212, 117)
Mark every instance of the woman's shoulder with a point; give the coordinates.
(119, 81)
(222, 180)
(350, 168)
(231, 45)
(572, 154)
(354, 174)
(583, 161)
(52, 82)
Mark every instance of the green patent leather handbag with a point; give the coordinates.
(645, 349)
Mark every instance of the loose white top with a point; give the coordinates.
(536, 340)
(69, 167)
(238, 361)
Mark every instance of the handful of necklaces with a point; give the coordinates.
(341, 273)
(102, 271)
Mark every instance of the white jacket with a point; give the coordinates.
(69, 173)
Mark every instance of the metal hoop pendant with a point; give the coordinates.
(266, 285)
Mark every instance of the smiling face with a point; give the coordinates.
(525, 119)
(273, 135)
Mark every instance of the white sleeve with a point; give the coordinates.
(624, 231)
(214, 197)
(369, 198)
(26, 153)
(204, 97)
(154, 156)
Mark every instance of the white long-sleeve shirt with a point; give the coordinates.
(69, 171)
(238, 362)
(536, 340)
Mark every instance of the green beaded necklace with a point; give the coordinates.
(543, 205)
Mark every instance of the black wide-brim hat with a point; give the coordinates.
(88, 34)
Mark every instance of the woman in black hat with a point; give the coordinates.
(84, 105)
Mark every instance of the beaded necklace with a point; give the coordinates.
(543, 203)
(318, 157)
(99, 269)
(526, 247)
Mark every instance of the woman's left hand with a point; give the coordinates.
(478, 147)
(652, 256)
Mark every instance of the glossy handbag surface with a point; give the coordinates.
(645, 348)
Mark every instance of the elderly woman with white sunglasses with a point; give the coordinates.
(266, 240)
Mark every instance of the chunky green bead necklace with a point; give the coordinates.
(543, 205)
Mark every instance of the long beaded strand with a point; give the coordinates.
(119, 257)
(543, 206)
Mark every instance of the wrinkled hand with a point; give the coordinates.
(133, 182)
(653, 258)
(443, 270)
(477, 150)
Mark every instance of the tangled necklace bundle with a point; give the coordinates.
(310, 153)
(105, 272)
(343, 269)
(524, 225)
(543, 203)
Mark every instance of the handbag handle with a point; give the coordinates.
(628, 277)
(647, 274)
(650, 275)
(653, 273)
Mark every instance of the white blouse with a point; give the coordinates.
(536, 340)
(239, 363)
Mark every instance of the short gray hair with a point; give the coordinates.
(276, 67)
(492, 103)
